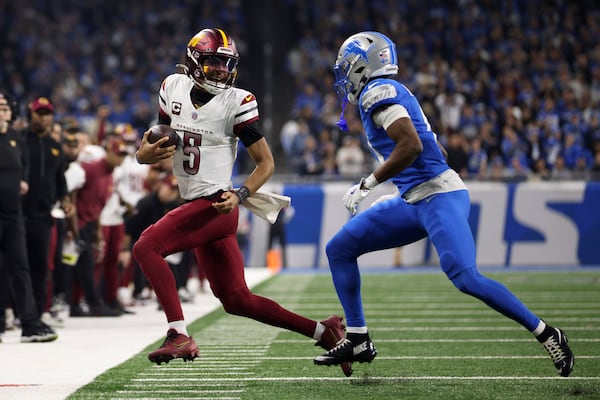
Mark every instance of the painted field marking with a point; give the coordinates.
(298, 341)
(398, 378)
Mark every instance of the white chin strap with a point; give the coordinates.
(212, 89)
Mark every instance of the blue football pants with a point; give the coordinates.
(394, 223)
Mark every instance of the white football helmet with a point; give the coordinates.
(363, 56)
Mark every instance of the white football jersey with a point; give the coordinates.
(131, 186)
(75, 176)
(112, 213)
(128, 187)
(207, 150)
(90, 153)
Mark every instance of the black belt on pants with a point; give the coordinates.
(212, 197)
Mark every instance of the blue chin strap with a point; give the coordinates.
(342, 121)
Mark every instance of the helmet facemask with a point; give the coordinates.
(349, 79)
(213, 73)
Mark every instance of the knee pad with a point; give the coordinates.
(236, 302)
(447, 260)
(467, 280)
(138, 249)
(340, 247)
(143, 247)
(331, 248)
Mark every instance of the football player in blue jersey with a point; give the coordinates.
(433, 201)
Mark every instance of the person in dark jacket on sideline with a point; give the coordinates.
(14, 267)
(47, 185)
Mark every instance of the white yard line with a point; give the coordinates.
(87, 347)
(220, 360)
(397, 378)
(475, 340)
(379, 357)
(474, 328)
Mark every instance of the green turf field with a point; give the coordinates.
(433, 343)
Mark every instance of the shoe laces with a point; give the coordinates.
(171, 336)
(555, 350)
(342, 344)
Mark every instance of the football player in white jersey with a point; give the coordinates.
(210, 116)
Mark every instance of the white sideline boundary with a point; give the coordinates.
(87, 347)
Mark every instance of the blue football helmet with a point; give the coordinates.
(363, 56)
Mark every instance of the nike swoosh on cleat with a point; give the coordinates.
(180, 345)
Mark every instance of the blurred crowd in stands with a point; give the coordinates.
(512, 88)
(100, 61)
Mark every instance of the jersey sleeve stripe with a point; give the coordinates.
(246, 116)
(250, 110)
(239, 122)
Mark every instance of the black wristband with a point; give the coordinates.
(242, 193)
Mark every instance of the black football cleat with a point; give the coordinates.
(357, 347)
(560, 353)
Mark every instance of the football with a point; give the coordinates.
(160, 130)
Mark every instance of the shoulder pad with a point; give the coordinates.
(376, 94)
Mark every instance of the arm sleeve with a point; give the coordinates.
(250, 134)
(385, 116)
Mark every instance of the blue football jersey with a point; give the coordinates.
(431, 161)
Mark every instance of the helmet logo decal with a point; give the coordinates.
(354, 47)
(384, 56)
(203, 43)
(194, 41)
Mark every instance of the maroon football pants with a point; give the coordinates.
(197, 225)
(108, 268)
